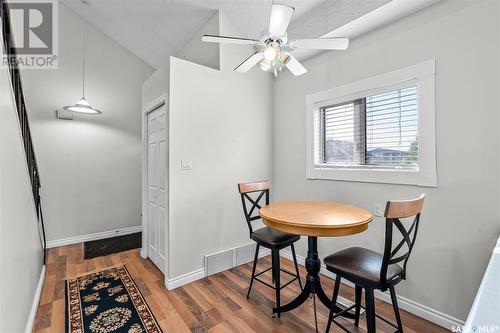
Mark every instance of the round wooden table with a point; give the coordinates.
(314, 219)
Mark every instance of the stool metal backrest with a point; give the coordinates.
(251, 206)
(394, 211)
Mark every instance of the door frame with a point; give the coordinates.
(157, 103)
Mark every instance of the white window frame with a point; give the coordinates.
(426, 175)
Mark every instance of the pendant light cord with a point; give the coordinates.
(83, 65)
(85, 4)
(82, 106)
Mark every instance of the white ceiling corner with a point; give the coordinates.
(156, 29)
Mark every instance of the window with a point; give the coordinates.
(377, 130)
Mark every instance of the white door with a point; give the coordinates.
(157, 192)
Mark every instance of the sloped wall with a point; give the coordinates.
(206, 54)
(196, 51)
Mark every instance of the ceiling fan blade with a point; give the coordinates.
(227, 39)
(320, 44)
(294, 66)
(251, 61)
(280, 18)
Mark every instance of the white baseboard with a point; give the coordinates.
(183, 279)
(264, 253)
(36, 301)
(198, 274)
(406, 304)
(423, 311)
(96, 236)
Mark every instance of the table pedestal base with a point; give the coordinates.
(313, 284)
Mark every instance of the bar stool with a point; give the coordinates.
(252, 195)
(370, 270)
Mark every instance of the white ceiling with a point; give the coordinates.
(156, 29)
(151, 29)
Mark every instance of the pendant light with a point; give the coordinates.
(82, 106)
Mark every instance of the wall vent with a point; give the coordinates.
(218, 262)
(223, 260)
(244, 254)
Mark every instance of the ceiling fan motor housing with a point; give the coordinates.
(267, 38)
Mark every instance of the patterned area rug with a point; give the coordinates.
(107, 301)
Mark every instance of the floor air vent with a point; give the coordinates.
(226, 259)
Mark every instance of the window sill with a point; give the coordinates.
(373, 175)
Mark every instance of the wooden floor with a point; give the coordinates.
(215, 304)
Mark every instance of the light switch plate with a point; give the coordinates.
(186, 165)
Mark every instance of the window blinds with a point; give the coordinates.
(377, 130)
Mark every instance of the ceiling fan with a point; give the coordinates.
(274, 48)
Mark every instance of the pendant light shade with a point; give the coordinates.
(82, 106)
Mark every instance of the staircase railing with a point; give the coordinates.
(15, 76)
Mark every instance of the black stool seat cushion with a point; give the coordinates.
(273, 238)
(361, 266)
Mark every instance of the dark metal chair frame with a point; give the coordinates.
(389, 258)
(252, 214)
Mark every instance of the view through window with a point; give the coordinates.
(378, 130)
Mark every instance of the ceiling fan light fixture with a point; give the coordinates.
(265, 65)
(275, 51)
(270, 52)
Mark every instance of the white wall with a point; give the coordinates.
(221, 121)
(460, 222)
(90, 167)
(20, 250)
(156, 85)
